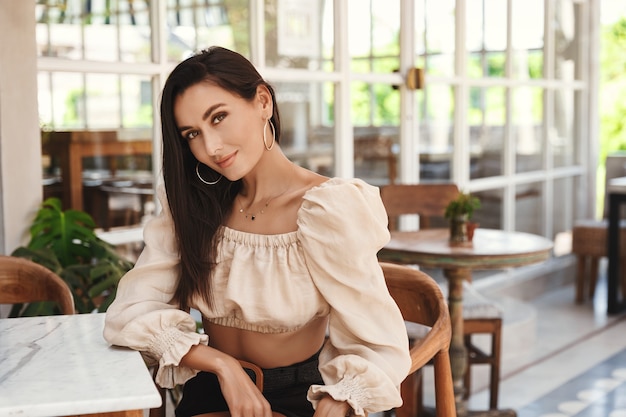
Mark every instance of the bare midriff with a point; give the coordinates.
(268, 350)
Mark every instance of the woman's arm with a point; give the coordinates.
(241, 394)
(342, 226)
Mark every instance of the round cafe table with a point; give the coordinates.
(490, 249)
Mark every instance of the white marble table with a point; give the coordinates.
(61, 365)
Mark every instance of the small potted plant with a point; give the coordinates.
(459, 212)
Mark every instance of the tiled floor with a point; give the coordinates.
(576, 366)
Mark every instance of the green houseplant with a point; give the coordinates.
(459, 212)
(66, 243)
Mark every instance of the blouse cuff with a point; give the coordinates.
(348, 389)
(170, 346)
(364, 386)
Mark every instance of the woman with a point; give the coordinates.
(274, 256)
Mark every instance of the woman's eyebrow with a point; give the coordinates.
(205, 115)
(211, 109)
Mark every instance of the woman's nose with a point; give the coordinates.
(212, 144)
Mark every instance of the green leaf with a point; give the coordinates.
(66, 243)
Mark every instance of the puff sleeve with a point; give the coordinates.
(343, 225)
(143, 316)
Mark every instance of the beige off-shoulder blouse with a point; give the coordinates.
(279, 283)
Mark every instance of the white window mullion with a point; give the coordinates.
(344, 136)
(158, 19)
(460, 159)
(409, 121)
(257, 34)
(548, 118)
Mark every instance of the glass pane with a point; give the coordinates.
(374, 27)
(440, 32)
(561, 137)
(436, 108)
(486, 40)
(527, 38)
(307, 124)
(102, 95)
(528, 205)
(527, 120)
(487, 118)
(136, 95)
(495, 25)
(91, 30)
(563, 205)
(66, 106)
(59, 29)
(489, 216)
(101, 42)
(376, 116)
(135, 32)
(566, 38)
(44, 100)
(299, 34)
(194, 25)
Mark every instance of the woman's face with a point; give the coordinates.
(223, 130)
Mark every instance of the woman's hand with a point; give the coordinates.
(241, 394)
(329, 407)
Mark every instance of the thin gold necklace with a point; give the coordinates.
(253, 216)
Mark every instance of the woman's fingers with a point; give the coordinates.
(241, 394)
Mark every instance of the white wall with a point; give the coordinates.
(20, 143)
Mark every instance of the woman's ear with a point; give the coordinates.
(265, 99)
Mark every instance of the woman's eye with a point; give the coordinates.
(218, 118)
(190, 135)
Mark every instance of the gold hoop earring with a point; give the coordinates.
(203, 180)
(269, 148)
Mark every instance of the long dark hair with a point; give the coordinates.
(198, 209)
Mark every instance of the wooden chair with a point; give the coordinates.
(421, 301)
(24, 281)
(480, 316)
(429, 201)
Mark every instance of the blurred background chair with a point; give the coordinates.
(590, 237)
(24, 281)
(480, 315)
(428, 201)
(421, 302)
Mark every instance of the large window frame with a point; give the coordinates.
(578, 175)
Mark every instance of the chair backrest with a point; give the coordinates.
(420, 300)
(429, 201)
(24, 281)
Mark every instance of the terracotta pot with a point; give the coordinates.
(471, 226)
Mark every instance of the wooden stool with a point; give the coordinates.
(480, 315)
(589, 242)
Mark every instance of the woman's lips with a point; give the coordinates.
(227, 161)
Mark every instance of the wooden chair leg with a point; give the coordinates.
(467, 379)
(593, 276)
(496, 339)
(580, 279)
(476, 356)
